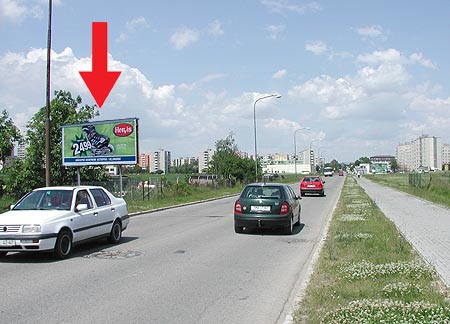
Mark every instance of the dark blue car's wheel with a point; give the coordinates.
(288, 230)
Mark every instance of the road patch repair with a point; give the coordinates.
(113, 254)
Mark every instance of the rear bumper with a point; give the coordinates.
(312, 191)
(261, 221)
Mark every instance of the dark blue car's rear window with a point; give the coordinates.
(262, 192)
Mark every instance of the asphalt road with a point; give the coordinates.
(181, 265)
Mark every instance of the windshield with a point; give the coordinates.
(262, 192)
(311, 179)
(46, 200)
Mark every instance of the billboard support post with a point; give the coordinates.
(78, 176)
(120, 182)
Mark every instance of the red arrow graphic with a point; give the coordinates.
(100, 82)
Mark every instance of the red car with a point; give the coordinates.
(313, 185)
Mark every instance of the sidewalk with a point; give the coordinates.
(425, 225)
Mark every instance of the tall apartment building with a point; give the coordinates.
(183, 160)
(204, 158)
(423, 152)
(304, 157)
(403, 156)
(446, 154)
(144, 161)
(21, 150)
(160, 160)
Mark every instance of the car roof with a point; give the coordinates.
(266, 184)
(69, 187)
(309, 177)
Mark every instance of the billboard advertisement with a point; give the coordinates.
(98, 143)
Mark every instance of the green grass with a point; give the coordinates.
(171, 198)
(368, 273)
(182, 194)
(433, 186)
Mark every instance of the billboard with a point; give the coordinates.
(102, 142)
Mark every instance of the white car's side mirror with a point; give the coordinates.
(81, 207)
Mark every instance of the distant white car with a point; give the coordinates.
(328, 172)
(56, 218)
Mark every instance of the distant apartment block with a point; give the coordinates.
(423, 152)
(183, 161)
(304, 156)
(144, 161)
(243, 154)
(446, 154)
(160, 160)
(204, 158)
(21, 150)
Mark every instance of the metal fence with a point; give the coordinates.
(431, 179)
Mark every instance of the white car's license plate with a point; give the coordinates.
(260, 208)
(7, 242)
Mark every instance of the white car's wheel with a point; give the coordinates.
(116, 233)
(63, 246)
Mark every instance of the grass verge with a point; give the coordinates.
(368, 273)
(433, 186)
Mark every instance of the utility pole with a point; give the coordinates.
(47, 106)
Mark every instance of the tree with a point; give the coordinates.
(335, 165)
(228, 165)
(394, 165)
(30, 173)
(185, 168)
(9, 135)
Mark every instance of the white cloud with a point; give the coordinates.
(132, 26)
(316, 47)
(17, 11)
(390, 56)
(215, 28)
(373, 31)
(184, 37)
(393, 56)
(280, 124)
(275, 30)
(279, 74)
(385, 76)
(284, 6)
(418, 58)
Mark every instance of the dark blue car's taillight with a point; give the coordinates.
(284, 208)
(237, 207)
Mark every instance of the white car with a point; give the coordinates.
(56, 218)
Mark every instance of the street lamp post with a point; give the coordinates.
(47, 105)
(310, 145)
(320, 154)
(276, 95)
(295, 146)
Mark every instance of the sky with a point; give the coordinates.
(364, 76)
